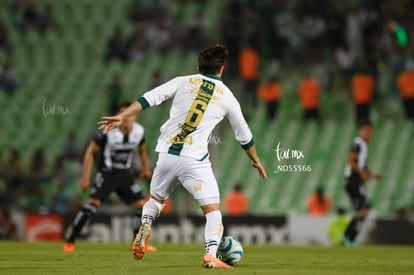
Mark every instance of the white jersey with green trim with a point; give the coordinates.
(200, 102)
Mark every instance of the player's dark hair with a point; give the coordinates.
(363, 123)
(123, 104)
(212, 58)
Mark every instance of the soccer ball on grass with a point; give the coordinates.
(230, 250)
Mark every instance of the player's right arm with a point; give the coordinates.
(88, 160)
(111, 122)
(151, 98)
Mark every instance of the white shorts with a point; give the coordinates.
(196, 176)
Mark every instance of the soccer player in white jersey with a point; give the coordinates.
(200, 102)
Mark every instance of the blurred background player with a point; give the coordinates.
(114, 173)
(236, 202)
(183, 145)
(363, 86)
(356, 175)
(270, 92)
(114, 92)
(8, 229)
(318, 203)
(309, 94)
(405, 84)
(249, 65)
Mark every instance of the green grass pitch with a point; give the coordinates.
(177, 259)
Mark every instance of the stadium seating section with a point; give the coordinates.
(65, 69)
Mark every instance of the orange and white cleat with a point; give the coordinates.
(141, 239)
(68, 247)
(150, 248)
(211, 262)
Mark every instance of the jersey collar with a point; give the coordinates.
(212, 76)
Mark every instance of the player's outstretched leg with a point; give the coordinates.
(81, 218)
(213, 233)
(150, 212)
(148, 247)
(140, 241)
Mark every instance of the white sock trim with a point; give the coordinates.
(213, 232)
(151, 211)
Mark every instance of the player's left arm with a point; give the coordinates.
(374, 175)
(143, 156)
(252, 154)
(244, 136)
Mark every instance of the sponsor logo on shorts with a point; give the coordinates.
(198, 186)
